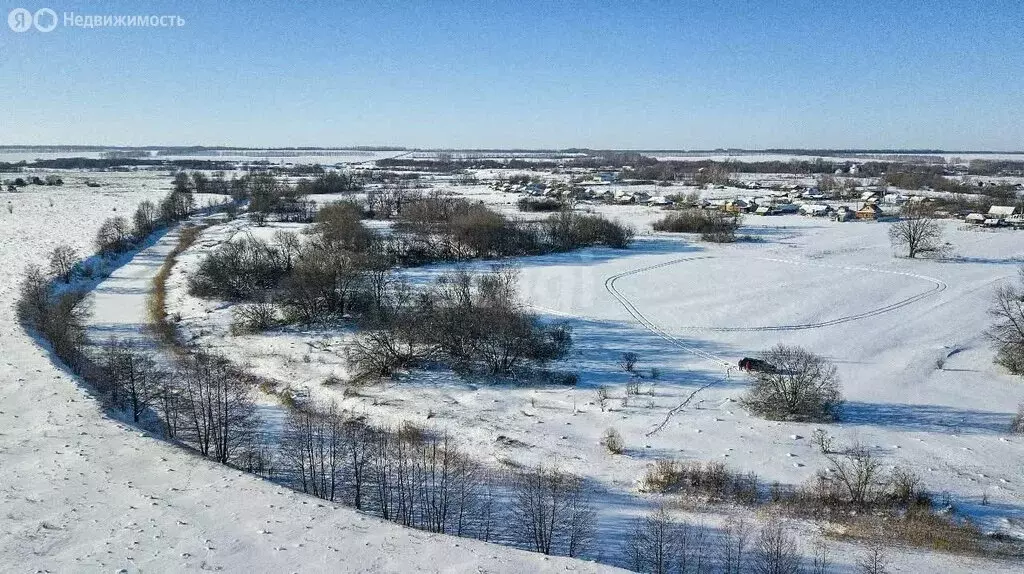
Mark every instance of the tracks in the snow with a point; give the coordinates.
(609, 285)
(937, 286)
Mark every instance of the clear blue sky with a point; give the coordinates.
(895, 74)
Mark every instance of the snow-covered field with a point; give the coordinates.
(81, 492)
(907, 336)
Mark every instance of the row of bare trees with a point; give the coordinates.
(117, 234)
(661, 544)
(201, 401)
(422, 479)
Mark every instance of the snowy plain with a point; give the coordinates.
(908, 337)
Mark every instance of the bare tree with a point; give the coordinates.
(775, 551)
(313, 446)
(146, 218)
(820, 562)
(1008, 330)
(873, 561)
(63, 259)
(551, 511)
(182, 182)
(733, 546)
(113, 236)
(134, 379)
(217, 415)
(859, 475)
(795, 385)
(289, 245)
(917, 233)
(655, 543)
(628, 361)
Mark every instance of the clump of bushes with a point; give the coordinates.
(329, 182)
(567, 230)
(612, 441)
(238, 270)
(253, 318)
(713, 225)
(534, 204)
(474, 323)
(57, 316)
(712, 480)
(798, 386)
(440, 228)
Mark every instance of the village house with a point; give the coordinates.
(869, 196)
(740, 206)
(815, 209)
(1001, 211)
(869, 211)
(843, 213)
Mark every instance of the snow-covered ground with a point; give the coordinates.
(82, 492)
(908, 338)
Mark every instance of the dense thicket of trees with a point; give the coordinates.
(342, 270)
(475, 323)
(713, 225)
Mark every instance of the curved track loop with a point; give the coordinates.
(937, 287)
(609, 285)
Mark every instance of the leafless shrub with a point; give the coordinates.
(859, 475)
(628, 361)
(800, 386)
(381, 353)
(824, 441)
(1017, 423)
(63, 260)
(873, 560)
(711, 479)
(551, 511)
(253, 318)
(775, 551)
(612, 440)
